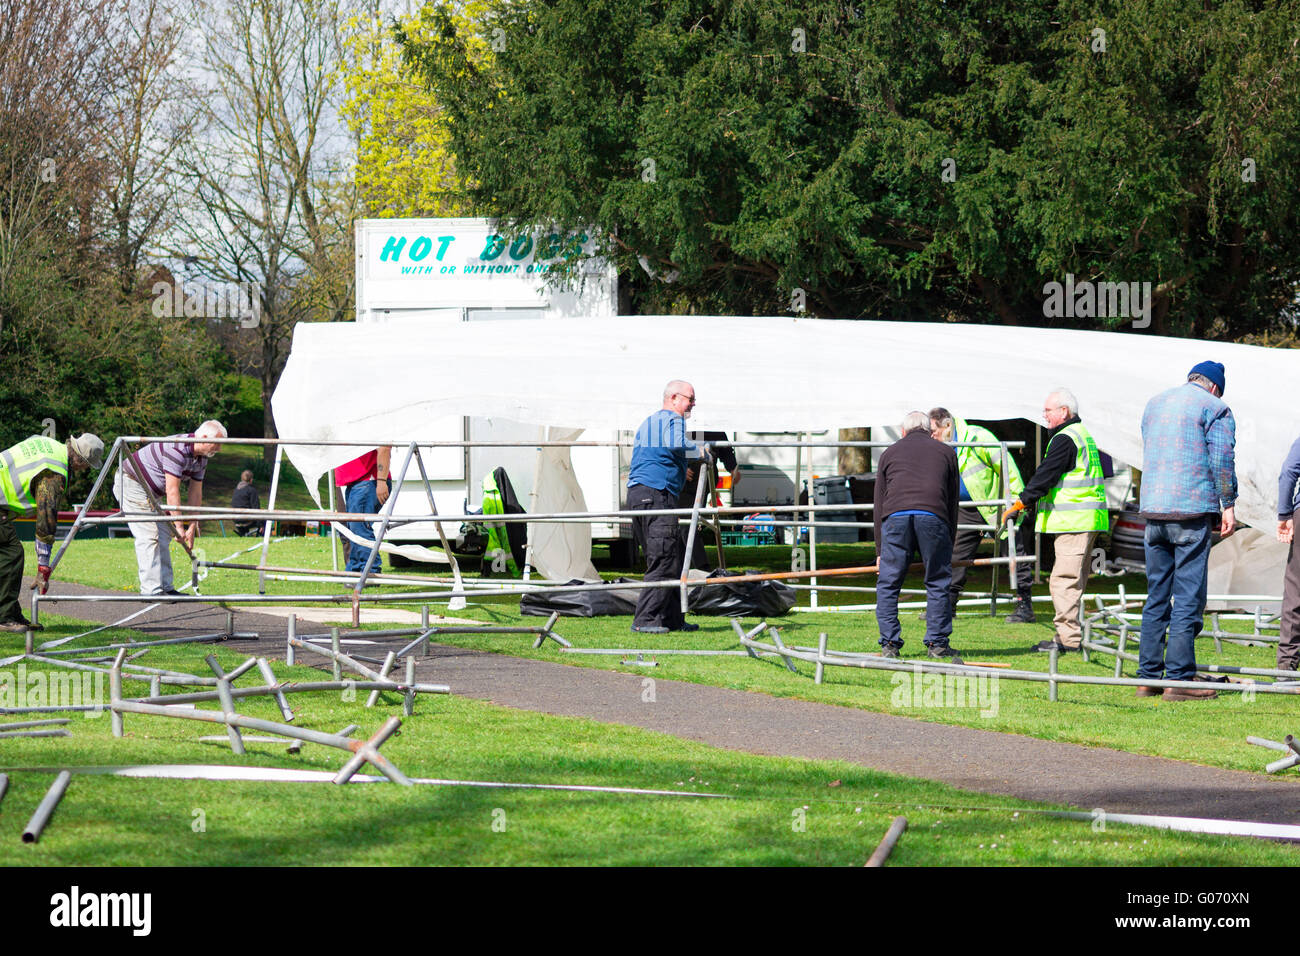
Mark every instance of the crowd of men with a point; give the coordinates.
(936, 502)
(936, 494)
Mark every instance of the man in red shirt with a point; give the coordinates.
(365, 482)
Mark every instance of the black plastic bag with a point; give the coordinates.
(580, 603)
(746, 599)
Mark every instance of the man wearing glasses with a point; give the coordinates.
(658, 471)
(1070, 492)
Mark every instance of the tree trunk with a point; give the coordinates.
(854, 461)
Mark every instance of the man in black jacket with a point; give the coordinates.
(916, 510)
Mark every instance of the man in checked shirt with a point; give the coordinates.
(162, 466)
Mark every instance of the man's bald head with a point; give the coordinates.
(679, 397)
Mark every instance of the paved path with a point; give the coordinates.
(979, 760)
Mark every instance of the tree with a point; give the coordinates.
(271, 202)
(74, 350)
(404, 163)
(148, 116)
(917, 159)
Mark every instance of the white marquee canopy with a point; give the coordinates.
(371, 381)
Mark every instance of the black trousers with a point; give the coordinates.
(665, 551)
(968, 544)
(11, 572)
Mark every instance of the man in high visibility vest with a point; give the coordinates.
(981, 480)
(1070, 492)
(33, 474)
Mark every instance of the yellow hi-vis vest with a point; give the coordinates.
(23, 462)
(1078, 501)
(981, 469)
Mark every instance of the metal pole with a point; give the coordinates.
(812, 557)
(334, 535)
(455, 604)
(36, 825)
(886, 846)
(23, 725)
(302, 687)
(408, 703)
(268, 675)
(334, 648)
(270, 505)
(369, 751)
(115, 691)
(90, 499)
(387, 666)
(289, 657)
(379, 536)
(690, 534)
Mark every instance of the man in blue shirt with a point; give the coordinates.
(1189, 487)
(658, 471)
(1288, 503)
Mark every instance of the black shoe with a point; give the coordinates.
(890, 651)
(650, 629)
(1046, 647)
(947, 653)
(687, 626)
(1023, 614)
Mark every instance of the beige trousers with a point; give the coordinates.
(1069, 576)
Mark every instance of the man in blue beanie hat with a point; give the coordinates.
(1189, 489)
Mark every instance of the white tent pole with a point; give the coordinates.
(334, 537)
(701, 480)
(532, 505)
(266, 530)
(455, 604)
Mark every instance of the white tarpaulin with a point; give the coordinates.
(373, 382)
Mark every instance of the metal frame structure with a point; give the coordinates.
(716, 514)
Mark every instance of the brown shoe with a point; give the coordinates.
(1144, 691)
(14, 627)
(1189, 693)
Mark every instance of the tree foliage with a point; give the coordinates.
(902, 158)
(76, 344)
(404, 161)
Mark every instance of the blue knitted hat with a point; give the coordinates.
(1211, 370)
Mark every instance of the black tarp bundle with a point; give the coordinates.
(745, 599)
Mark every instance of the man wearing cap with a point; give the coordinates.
(33, 474)
(161, 467)
(1189, 489)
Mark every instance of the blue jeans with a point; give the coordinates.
(1178, 559)
(362, 499)
(899, 538)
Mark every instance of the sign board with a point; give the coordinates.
(434, 264)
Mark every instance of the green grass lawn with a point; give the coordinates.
(1208, 732)
(779, 811)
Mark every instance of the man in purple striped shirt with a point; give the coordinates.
(161, 467)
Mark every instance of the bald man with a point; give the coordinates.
(659, 460)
